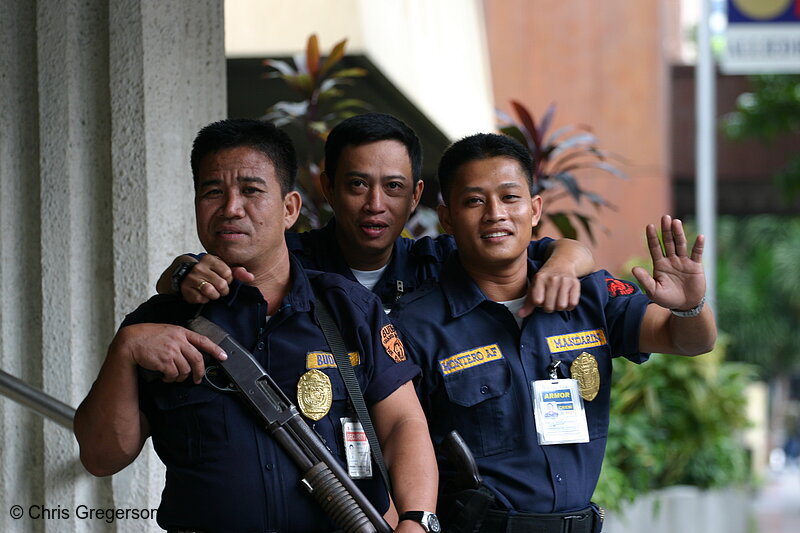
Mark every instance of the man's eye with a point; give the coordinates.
(511, 197)
(473, 201)
(211, 193)
(395, 185)
(250, 190)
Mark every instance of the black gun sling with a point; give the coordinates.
(334, 338)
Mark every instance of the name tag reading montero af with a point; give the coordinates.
(558, 411)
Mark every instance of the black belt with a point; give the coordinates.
(588, 520)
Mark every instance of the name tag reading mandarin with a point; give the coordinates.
(577, 341)
(474, 357)
(326, 360)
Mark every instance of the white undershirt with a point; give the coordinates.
(368, 278)
(514, 306)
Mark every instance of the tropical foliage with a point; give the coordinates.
(560, 158)
(675, 421)
(317, 81)
(759, 291)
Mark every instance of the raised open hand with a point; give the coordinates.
(678, 280)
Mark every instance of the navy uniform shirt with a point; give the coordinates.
(413, 261)
(224, 472)
(478, 365)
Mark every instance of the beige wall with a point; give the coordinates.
(603, 64)
(434, 51)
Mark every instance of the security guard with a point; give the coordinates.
(531, 396)
(373, 182)
(224, 472)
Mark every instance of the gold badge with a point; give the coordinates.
(314, 394)
(585, 370)
(392, 343)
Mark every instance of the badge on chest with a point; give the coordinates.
(558, 410)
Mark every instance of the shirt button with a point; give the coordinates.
(268, 466)
(484, 389)
(559, 478)
(260, 346)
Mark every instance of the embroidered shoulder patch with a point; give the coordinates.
(576, 341)
(468, 359)
(326, 360)
(392, 343)
(617, 287)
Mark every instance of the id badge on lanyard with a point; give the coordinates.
(559, 412)
(357, 452)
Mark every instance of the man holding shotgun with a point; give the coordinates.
(224, 472)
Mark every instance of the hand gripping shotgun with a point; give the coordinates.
(323, 476)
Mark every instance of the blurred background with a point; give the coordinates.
(100, 102)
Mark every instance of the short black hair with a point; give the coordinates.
(259, 135)
(481, 146)
(367, 128)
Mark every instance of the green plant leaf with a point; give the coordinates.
(282, 67)
(352, 72)
(562, 222)
(336, 55)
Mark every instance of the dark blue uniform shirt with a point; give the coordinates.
(413, 261)
(224, 472)
(478, 365)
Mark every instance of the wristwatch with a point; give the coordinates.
(428, 521)
(180, 272)
(694, 311)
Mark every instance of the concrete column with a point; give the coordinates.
(167, 81)
(21, 453)
(100, 102)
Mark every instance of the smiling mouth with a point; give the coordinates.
(496, 234)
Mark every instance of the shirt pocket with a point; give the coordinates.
(188, 420)
(481, 407)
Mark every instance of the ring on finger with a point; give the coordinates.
(202, 284)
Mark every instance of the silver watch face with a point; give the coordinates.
(431, 523)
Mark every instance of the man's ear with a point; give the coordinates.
(292, 203)
(417, 195)
(326, 184)
(444, 218)
(536, 210)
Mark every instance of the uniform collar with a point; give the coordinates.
(299, 297)
(460, 290)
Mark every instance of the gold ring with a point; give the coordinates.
(202, 283)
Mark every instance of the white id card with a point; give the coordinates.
(356, 446)
(559, 413)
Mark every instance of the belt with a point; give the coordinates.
(588, 520)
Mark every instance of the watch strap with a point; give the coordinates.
(180, 273)
(689, 313)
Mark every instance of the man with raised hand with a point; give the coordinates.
(531, 396)
(224, 472)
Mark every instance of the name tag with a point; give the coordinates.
(577, 341)
(470, 358)
(326, 360)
